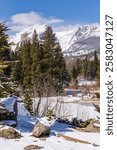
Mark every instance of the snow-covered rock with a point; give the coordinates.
(3, 111)
(9, 103)
(8, 109)
(27, 122)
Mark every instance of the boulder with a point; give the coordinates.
(40, 130)
(3, 112)
(92, 128)
(32, 147)
(9, 132)
(8, 109)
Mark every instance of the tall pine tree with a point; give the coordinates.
(5, 87)
(54, 68)
(36, 65)
(4, 45)
(26, 64)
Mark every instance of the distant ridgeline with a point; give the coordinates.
(79, 41)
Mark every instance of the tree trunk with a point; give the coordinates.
(38, 104)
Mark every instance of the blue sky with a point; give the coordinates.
(62, 11)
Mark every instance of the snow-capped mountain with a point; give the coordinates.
(85, 40)
(75, 42)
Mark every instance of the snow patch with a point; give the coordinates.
(22, 110)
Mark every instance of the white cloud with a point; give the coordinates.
(66, 27)
(19, 21)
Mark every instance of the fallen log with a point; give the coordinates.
(68, 138)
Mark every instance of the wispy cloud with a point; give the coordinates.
(66, 27)
(19, 21)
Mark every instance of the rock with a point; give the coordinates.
(9, 132)
(32, 147)
(40, 130)
(92, 128)
(42, 139)
(3, 112)
(1, 105)
(8, 110)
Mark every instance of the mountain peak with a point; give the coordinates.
(78, 41)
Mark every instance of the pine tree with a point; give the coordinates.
(4, 45)
(2, 88)
(34, 56)
(36, 67)
(91, 70)
(79, 66)
(74, 72)
(49, 42)
(96, 64)
(85, 67)
(98, 73)
(54, 67)
(59, 72)
(26, 63)
(48, 49)
(5, 87)
(16, 74)
(74, 76)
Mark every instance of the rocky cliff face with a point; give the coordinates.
(75, 42)
(84, 41)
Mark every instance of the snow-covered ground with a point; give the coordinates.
(86, 82)
(68, 107)
(26, 123)
(53, 142)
